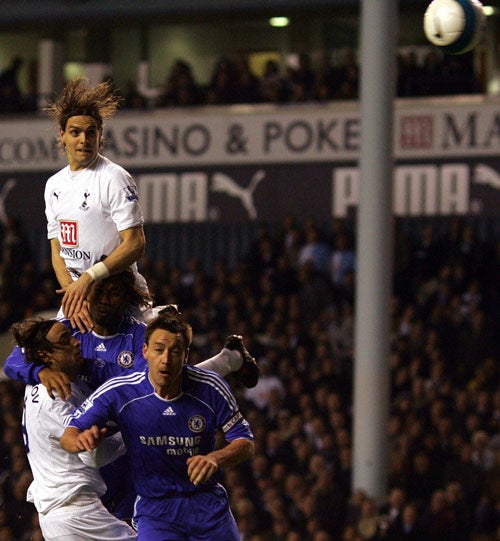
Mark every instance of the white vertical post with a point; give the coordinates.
(379, 21)
(50, 69)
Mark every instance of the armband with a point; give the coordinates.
(97, 272)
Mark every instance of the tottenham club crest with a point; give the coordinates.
(126, 359)
(197, 423)
(85, 205)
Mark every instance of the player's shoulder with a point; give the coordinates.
(201, 379)
(57, 177)
(132, 324)
(124, 383)
(37, 398)
(112, 169)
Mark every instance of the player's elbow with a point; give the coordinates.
(248, 450)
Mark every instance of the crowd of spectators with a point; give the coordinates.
(292, 298)
(232, 82)
(26, 286)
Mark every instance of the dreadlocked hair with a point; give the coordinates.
(80, 98)
(127, 282)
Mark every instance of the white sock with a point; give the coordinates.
(225, 362)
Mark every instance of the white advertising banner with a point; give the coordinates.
(261, 162)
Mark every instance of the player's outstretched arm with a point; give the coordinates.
(18, 369)
(74, 441)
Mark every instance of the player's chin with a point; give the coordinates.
(86, 158)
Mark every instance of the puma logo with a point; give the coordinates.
(483, 174)
(224, 184)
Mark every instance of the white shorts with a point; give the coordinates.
(88, 523)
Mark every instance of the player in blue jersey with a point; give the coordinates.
(169, 416)
(117, 338)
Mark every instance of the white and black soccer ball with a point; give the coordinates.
(455, 26)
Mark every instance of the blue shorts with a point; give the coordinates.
(202, 516)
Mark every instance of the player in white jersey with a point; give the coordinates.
(65, 488)
(95, 223)
(169, 416)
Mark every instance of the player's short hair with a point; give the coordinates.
(80, 98)
(170, 319)
(31, 336)
(126, 280)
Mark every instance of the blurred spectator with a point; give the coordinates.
(260, 395)
(408, 528)
(11, 99)
(132, 98)
(247, 83)
(342, 259)
(223, 86)
(393, 508)
(347, 78)
(482, 455)
(315, 250)
(272, 84)
(438, 520)
(181, 88)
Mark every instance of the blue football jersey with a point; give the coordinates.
(123, 348)
(161, 434)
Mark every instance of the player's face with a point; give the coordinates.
(82, 139)
(166, 354)
(107, 304)
(66, 355)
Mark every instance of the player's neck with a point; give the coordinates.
(108, 330)
(169, 391)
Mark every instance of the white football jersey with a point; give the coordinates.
(60, 478)
(87, 209)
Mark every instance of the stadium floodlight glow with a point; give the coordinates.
(489, 10)
(279, 22)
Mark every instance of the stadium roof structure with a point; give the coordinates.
(25, 11)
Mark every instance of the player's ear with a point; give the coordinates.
(43, 355)
(186, 357)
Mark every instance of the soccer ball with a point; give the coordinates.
(455, 26)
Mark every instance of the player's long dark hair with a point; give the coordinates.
(79, 97)
(31, 334)
(136, 297)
